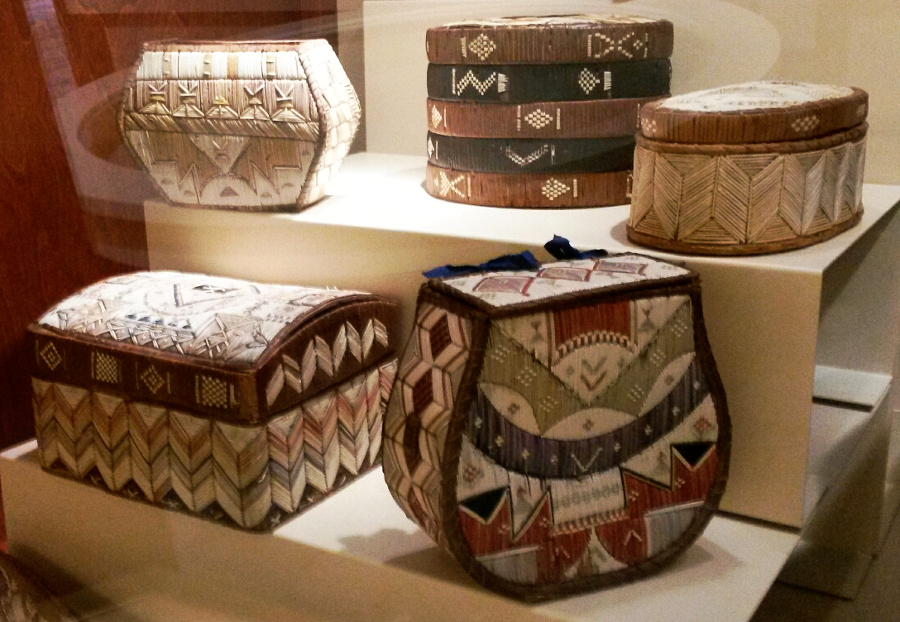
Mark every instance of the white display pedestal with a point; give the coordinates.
(354, 557)
(804, 341)
(784, 328)
(772, 320)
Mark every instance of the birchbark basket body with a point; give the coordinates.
(563, 429)
(239, 402)
(249, 126)
(764, 195)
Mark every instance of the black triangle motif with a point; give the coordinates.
(692, 453)
(485, 504)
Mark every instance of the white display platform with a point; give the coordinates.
(785, 329)
(771, 319)
(354, 557)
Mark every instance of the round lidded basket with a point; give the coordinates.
(758, 188)
(241, 125)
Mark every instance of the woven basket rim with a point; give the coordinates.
(579, 21)
(738, 250)
(268, 44)
(851, 135)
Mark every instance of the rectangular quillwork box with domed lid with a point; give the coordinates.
(239, 401)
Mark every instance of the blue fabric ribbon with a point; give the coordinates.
(559, 247)
(562, 249)
(521, 261)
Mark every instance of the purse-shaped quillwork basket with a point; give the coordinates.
(559, 428)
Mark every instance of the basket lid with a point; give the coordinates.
(550, 39)
(225, 60)
(196, 316)
(755, 112)
(521, 290)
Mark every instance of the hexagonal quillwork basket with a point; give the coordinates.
(257, 126)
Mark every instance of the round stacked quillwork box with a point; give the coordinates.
(750, 168)
(541, 112)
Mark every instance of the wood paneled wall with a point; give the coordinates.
(44, 249)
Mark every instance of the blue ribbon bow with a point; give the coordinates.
(559, 247)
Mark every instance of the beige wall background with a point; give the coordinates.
(851, 42)
(717, 42)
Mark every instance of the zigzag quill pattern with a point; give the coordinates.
(148, 428)
(322, 444)
(249, 475)
(111, 446)
(746, 198)
(353, 433)
(241, 476)
(321, 357)
(287, 464)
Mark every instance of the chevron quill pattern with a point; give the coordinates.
(240, 469)
(743, 200)
(353, 433)
(833, 187)
(72, 416)
(251, 477)
(44, 404)
(148, 428)
(802, 191)
(111, 447)
(320, 356)
(376, 397)
(190, 447)
(320, 417)
(286, 460)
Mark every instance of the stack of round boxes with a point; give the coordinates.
(541, 112)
